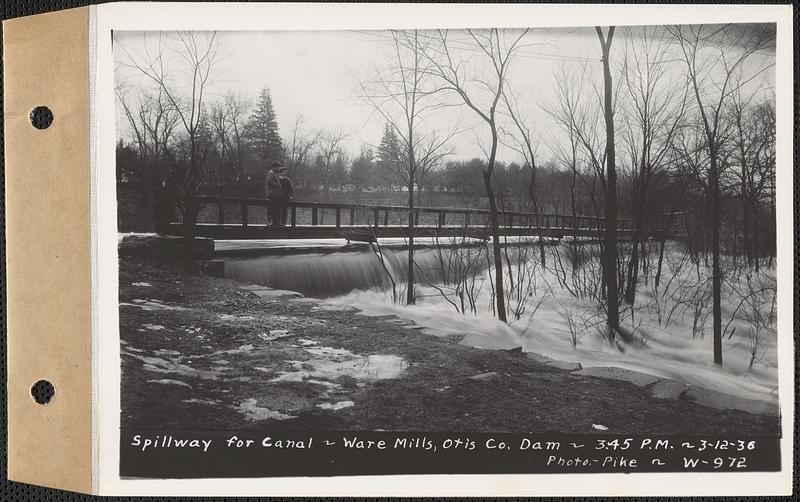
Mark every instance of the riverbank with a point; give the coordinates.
(201, 352)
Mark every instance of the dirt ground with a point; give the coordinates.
(200, 352)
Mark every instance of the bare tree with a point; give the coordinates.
(153, 120)
(228, 117)
(481, 94)
(655, 105)
(191, 55)
(300, 146)
(610, 252)
(330, 148)
(404, 96)
(753, 142)
(714, 56)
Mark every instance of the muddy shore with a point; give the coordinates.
(201, 352)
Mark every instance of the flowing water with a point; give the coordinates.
(671, 324)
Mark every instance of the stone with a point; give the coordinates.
(276, 293)
(497, 341)
(565, 365)
(668, 389)
(253, 287)
(613, 373)
(485, 376)
(555, 363)
(720, 401)
(533, 356)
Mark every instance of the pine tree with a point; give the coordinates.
(388, 158)
(264, 138)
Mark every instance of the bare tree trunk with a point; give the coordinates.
(610, 255)
(633, 264)
(498, 257)
(410, 299)
(716, 273)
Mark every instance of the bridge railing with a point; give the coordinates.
(237, 211)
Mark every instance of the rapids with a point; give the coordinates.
(554, 323)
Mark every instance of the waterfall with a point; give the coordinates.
(326, 275)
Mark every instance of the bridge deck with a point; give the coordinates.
(362, 232)
(360, 222)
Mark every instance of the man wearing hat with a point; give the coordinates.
(277, 198)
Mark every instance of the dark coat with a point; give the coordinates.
(274, 189)
(286, 187)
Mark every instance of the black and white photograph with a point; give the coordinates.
(448, 242)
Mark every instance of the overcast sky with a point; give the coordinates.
(317, 75)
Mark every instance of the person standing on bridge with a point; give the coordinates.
(275, 196)
(288, 192)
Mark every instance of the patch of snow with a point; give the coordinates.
(275, 334)
(336, 406)
(230, 317)
(167, 381)
(153, 327)
(201, 401)
(142, 284)
(151, 305)
(251, 411)
(599, 427)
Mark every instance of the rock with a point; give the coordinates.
(516, 350)
(276, 293)
(533, 356)
(720, 401)
(555, 363)
(496, 341)
(599, 427)
(668, 389)
(142, 284)
(161, 245)
(565, 365)
(613, 373)
(254, 287)
(485, 376)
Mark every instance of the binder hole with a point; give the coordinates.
(41, 117)
(43, 391)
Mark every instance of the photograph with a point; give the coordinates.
(453, 236)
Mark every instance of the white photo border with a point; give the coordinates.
(305, 16)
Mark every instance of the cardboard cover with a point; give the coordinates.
(46, 61)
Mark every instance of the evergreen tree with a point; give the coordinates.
(388, 158)
(264, 138)
(361, 171)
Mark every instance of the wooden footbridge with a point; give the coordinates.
(247, 218)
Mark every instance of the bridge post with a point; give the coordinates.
(386, 217)
(313, 216)
(220, 213)
(416, 218)
(376, 215)
(352, 216)
(244, 214)
(294, 216)
(466, 219)
(338, 217)
(442, 216)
